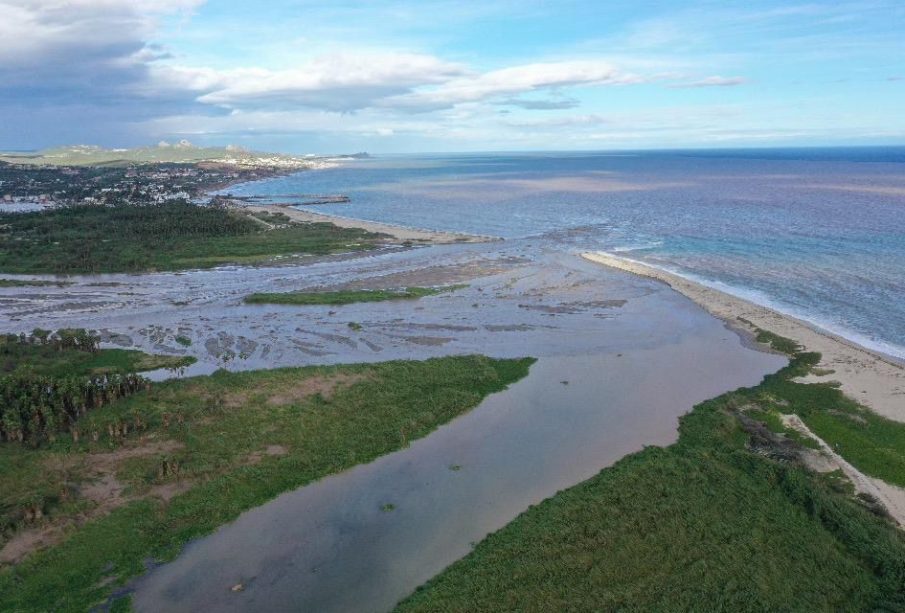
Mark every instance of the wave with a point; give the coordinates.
(640, 247)
(760, 298)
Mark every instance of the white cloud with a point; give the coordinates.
(339, 82)
(714, 81)
(33, 32)
(580, 121)
(514, 80)
(556, 103)
(403, 82)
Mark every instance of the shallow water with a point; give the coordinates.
(523, 298)
(635, 356)
(335, 545)
(819, 234)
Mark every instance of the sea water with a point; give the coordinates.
(816, 233)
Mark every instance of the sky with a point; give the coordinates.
(441, 75)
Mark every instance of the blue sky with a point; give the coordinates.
(439, 75)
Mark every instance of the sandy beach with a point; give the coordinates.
(870, 378)
(398, 233)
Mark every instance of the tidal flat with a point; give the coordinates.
(521, 300)
(620, 359)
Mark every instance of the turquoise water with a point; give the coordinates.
(819, 234)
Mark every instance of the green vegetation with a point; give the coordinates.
(173, 236)
(779, 343)
(772, 419)
(348, 296)
(725, 519)
(183, 340)
(31, 283)
(59, 354)
(52, 380)
(223, 444)
(873, 444)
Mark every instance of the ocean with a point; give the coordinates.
(815, 233)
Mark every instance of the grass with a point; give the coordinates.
(175, 236)
(703, 525)
(779, 343)
(47, 360)
(873, 444)
(31, 283)
(219, 429)
(347, 296)
(773, 421)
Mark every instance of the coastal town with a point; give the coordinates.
(30, 182)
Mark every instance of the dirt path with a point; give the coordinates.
(890, 496)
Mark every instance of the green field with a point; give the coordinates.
(197, 452)
(174, 236)
(347, 296)
(726, 519)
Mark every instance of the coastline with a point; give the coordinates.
(397, 232)
(866, 376)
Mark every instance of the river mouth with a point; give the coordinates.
(620, 358)
(363, 539)
(522, 298)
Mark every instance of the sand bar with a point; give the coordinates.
(399, 233)
(868, 377)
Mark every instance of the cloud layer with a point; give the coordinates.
(428, 74)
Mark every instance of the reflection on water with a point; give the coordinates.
(363, 539)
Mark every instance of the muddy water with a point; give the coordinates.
(364, 539)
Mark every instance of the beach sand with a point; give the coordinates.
(398, 233)
(870, 378)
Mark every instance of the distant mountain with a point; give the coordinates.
(181, 152)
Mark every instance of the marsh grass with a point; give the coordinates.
(705, 524)
(323, 419)
(48, 360)
(874, 444)
(339, 298)
(779, 343)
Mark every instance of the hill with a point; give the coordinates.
(182, 152)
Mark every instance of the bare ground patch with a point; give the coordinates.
(272, 451)
(100, 487)
(305, 388)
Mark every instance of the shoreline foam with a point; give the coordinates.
(887, 351)
(867, 376)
